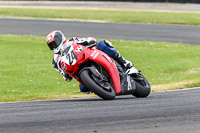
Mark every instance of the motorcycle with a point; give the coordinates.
(99, 72)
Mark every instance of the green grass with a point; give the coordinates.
(105, 15)
(26, 72)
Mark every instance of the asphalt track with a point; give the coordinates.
(163, 112)
(118, 31)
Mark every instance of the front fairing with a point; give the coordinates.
(108, 63)
(75, 56)
(71, 58)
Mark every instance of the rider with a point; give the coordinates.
(56, 40)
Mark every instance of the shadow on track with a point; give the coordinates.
(93, 99)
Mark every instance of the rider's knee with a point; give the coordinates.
(101, 45)
(106, 47)
(83, 88)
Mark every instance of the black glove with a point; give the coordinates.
(73, 38)
(67, 77)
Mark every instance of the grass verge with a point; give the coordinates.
(26, 72)
(130, 16)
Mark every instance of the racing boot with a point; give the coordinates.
(123, 62)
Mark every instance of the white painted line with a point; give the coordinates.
(185, 89)
(56, 19)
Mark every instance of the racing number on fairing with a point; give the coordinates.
(71, 56)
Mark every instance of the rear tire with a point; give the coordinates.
(88, 80)
(143, 88)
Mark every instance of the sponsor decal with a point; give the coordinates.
(95, 56)
(64, 67)
(79, 49)
(94, 52)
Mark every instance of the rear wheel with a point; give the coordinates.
(143, 88)
(101, 87)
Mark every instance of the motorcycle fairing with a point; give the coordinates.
(85, 54)
(104, 60)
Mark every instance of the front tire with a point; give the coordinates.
(89, 81)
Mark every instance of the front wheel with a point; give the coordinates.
(143, 88)
(103, 89)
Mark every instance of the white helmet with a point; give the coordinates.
(54, 40)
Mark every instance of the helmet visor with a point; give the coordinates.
(52, 45)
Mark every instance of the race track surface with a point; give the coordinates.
(118, 31)
(163, 112)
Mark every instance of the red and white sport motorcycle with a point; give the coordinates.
(98, 72)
